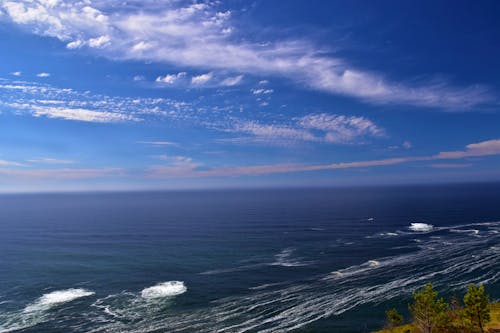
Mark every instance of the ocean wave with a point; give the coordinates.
(284, 258)
(472, 231)
(420, 227)
(294, 304)
(389, 234)
(164, 289)
(56, 298)
(39, 311)
(284, 308)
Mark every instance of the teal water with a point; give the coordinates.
(304, 260)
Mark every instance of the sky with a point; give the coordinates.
(138, 95)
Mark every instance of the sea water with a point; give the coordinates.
(304, 260)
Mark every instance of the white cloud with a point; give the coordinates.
(139, 78)
(262, 91)
(340, 128)
(327, 128)
(9, 163)
(404, 145)
(43, 75)
(232, 81)
(75, 44)
(196, 35)
(42, 99)
(485, 148)
(49, 160)
(81, 114)
(60, 173)
(99, 42)
(201, 79)
(158, 143)
(171, 78)
(16, 73)
(270, 133)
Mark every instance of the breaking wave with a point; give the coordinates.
(164, 289)
(452, 261)
(421, 227)
(39, 311)
(447, 256)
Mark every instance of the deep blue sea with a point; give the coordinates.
(302, 260)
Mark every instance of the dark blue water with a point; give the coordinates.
(310, 260)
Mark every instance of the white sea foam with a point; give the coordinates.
(39, 311)
(55, 298)
(164, 289)
(421, 227)
(392, 234)
(284, 258)
(473, 231)
(295, 304)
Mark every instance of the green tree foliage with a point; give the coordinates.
(477, 307)
(394, 318)
(433, 315)
(429, 312)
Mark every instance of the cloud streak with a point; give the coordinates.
(192, 170)
(202, 36)
(60, 173)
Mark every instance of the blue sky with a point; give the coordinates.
(113, 95)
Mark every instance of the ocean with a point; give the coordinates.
(301, 260)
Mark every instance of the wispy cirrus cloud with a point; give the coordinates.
(341, 128)
(81, 114)
(158, 143)
(202, 78)
(201, 35)
(10, 163)
(192, 169)
(451, 165)
(320, 127)
(43, 75)
(232, 81)
(186, 167)
(50, 160)
(61, 173)
(182, 79)
(43, 100)
(171, 78)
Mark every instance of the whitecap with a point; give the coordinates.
(373, 263)
(473, 231)
(164, 289)
(38, 311)
(58, 297)
(420, 227)
(389, 234)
